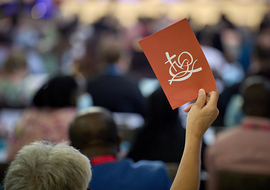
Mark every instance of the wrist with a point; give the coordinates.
(193, 143)
(193, 138)
(194, 134)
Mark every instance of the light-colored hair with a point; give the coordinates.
(45, 166)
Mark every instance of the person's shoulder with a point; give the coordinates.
(150, 174)
(154, 171)
(149, 163)
(146, 165)
(224, 140)
(227, 134)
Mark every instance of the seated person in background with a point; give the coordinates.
(162, 137)
(111, 89)
(45, 166)
(260, 65)
(244, 150)
(49, 117)
(15, 91)
(200, 116)
(95, 134)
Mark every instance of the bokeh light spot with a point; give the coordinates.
(38, 10)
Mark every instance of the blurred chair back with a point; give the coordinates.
(172, 169)
(3, 169)
(229, 180)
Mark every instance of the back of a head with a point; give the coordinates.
(110, 49)
(58, 92)
(45, 166)
(93, 127)
(256, 92)
(208, 36)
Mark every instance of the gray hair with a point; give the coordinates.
(45, 166)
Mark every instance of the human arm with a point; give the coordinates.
(200, 116)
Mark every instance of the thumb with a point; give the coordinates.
(201, 98)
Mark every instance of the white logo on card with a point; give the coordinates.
(183, 68)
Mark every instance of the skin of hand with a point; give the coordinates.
(200, 116)
(202, 113)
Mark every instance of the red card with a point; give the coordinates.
(178, 61)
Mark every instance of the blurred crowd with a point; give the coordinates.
(53, 66)
(34, 50)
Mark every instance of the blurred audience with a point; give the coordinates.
(162, 137)
(139, 66)
(261, 61)
(232, 41)
(14, 91)
(89, 61)
(54, 106)
(107, 57)
(230, 101)
(222, 45)
(95, 134)
(242, 152)
(111, 89)
(43, 165)
(62, 51)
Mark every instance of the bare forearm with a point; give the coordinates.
(188, 174)
(200, 116)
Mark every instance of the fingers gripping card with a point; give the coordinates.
(178, 61)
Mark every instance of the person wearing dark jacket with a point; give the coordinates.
(162, 137)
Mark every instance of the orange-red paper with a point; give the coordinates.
(178, 61)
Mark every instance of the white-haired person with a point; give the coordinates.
(46, 166)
